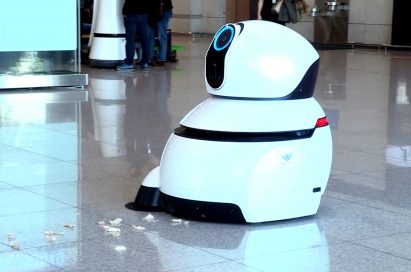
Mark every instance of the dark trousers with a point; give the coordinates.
(136, 24)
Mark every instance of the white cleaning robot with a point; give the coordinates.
(259, 148)
(108, 38)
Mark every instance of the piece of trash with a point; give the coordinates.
(69, 226)
(139, 228)
(14, 245)
(52, 233)
(51, 236)
(113, 234)
(111, 229)
(116, 222)
(150, 218)
(179, 222)
(12, 242)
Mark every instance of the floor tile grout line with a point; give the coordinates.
(382, 251)
(22, 252)
(34, 212)
(48, 197)
(38, 154)
(361, 203)
(39, 184)
(33, 125)
(206, 265)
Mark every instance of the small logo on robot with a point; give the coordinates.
(287, 157)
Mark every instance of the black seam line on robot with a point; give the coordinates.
(304, 89)
(104, 35)
(241, 27)
(223, 136)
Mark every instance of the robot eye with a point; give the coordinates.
(223, 38)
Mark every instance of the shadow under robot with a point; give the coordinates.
(260, 148)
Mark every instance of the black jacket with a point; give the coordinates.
(136, 6)
(167, 5)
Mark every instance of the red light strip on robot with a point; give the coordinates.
(321, 122)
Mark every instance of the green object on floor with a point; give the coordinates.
(177, 48)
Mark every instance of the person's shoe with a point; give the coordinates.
(144, 67)
(125, 67)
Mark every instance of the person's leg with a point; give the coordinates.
(162, 35)
(150, 42)
(143, 30)
(130, 24)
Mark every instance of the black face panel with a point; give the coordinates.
(305, 88)
(216, 56)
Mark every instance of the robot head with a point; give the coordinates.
(260, 59)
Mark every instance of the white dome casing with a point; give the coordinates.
(260, 59)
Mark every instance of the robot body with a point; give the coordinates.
(260, 148)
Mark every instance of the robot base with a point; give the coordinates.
(148, 196)
(275, 180)
(202, 210)
(151, 199)
(147, 199)
(104, 63)
(107, 52)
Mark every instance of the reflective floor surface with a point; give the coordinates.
(70, 159)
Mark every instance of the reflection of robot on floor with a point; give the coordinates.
(259, 149)
(301, 240)
(108, 108)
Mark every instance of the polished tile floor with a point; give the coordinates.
(70, 159)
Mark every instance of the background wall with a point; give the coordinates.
(306, 26)
(198, 16)
(370, 21)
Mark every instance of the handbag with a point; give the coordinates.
(290, 12)
(276, 7)
(302, 6)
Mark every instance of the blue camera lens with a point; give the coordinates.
(223, 38)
